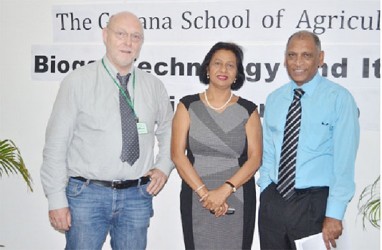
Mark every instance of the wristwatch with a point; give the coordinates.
(231, 185)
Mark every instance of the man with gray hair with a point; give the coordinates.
(98, 171)
(311, 137)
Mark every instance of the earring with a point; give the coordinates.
(234, 81)
(208, 76)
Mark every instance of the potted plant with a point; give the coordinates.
(11, 162)
(369, 204)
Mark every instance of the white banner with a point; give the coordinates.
(179, 34)
(178, 68)
(250, 21)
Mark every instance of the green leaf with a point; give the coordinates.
(11, 162)
(369, 204)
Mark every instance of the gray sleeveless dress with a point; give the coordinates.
(217, 148)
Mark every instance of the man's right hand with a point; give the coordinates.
(60, 219)
(331, 231)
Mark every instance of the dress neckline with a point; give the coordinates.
(218, 111)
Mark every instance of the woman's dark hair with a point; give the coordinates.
(240, 77)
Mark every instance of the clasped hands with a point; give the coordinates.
(215, 201)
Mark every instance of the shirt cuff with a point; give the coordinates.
(263, 184)
(166, 168)
(335, 209)
(57, 201)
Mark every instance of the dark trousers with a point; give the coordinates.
(281, 222)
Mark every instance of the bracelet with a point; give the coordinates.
(231, 185)
(200, 187)
(203, 197)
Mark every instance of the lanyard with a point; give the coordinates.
(129, 102)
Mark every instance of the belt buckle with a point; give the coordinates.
(115, 183)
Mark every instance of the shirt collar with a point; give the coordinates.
(308, 87)
(111, 67)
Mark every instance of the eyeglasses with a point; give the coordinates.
(120, 35)
(218, 64)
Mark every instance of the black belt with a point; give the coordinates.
(310, 190)
(117, 184)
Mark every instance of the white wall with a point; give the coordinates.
(26, 98)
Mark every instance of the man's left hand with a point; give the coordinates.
(331, 231)
(158, 179)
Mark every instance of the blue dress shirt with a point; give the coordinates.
(328, 141)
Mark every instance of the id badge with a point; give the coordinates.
(142, 128)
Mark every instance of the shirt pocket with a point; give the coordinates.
(319, 133)
(93, 119)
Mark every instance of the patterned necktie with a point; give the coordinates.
(287, 168)
(130, 140)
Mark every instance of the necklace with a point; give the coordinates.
(209, 105)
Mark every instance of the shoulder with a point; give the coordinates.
(81, 77)
(280, 92)
(334, 89)
(332, 86)
(282, 89)
(88, 70)
(146, 76)
(187, 100)
(248, 105)
(150, 83)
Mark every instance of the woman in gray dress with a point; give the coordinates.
(217, 148)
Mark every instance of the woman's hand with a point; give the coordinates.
(215, 200)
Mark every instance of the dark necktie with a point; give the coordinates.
(287, 168)
(130, 140)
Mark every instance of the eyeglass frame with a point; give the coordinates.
(135, 37)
